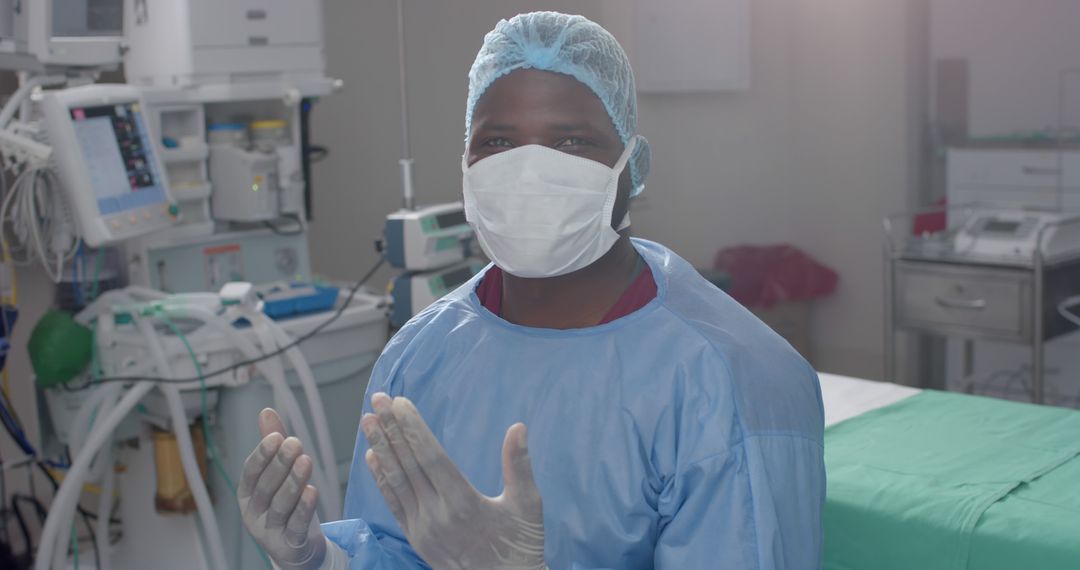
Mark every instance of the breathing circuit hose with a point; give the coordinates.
(282, 394)
(67, 495)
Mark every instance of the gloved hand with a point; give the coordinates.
(276, 503)
(447, 521)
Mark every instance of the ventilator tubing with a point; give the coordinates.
(187, 448)
(67, 496)
(112, 408)
(323, 476)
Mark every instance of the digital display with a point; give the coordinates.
(118, 152)
(1000, 227)
(87, 18)
(456, 277)
(450, 219)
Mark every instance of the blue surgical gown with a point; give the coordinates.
(684, 435)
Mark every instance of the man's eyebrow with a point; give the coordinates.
(498, 127)
(576, 127)
(572, 127)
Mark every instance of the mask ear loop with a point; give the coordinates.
(620, 166)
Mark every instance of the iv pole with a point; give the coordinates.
(407, 193)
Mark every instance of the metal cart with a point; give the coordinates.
(931, 286)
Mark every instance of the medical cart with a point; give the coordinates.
(984, 273)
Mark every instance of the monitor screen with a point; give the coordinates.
(87, 18)
(995, 226)
(118, 152)
(450, 219)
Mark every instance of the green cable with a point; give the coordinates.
(211, 450)
(95, 368)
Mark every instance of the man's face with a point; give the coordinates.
(529, 106)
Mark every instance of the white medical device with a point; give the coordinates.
(108, 163)
(413, 292)
(129, 158)
(316, 397)
(426, 238)
(179, 43)
(43, 34)
(1014, 234)
(245, 183)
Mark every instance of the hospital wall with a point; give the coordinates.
(815, 153)
(1015, 53)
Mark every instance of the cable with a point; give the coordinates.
(210, 447)
(22, 522)
(3, 501)
(14, 428)
(65, 500)
(75, 545)
(6, 301)
(78, 276)
(5, 399)
(1065, 309)
(82, 512)
(279, 351)
(35, 222)
(99, 260)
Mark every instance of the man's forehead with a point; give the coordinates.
(562, 101)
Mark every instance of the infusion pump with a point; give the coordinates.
(1015, 234)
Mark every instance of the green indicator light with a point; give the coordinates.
(254, 187)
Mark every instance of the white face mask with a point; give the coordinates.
(540, 212)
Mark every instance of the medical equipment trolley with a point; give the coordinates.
(978, 272)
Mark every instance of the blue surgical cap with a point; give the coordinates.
(572, 45)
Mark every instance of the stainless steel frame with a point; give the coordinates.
(900, 256)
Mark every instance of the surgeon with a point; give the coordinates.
(666, 426)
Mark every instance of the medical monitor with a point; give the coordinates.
(107, 162)
(44, 34)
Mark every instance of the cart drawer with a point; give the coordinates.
(988, 302)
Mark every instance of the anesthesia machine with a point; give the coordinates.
(175, 206)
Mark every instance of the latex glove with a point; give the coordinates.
(449, 523)
(276, 503)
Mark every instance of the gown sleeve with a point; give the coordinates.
(757, 502)
(759, 506)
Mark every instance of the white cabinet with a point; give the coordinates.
(1014, 177)
(267, 22)
(182, 43)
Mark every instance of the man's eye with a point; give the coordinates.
(498, 142)
(574, 142)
